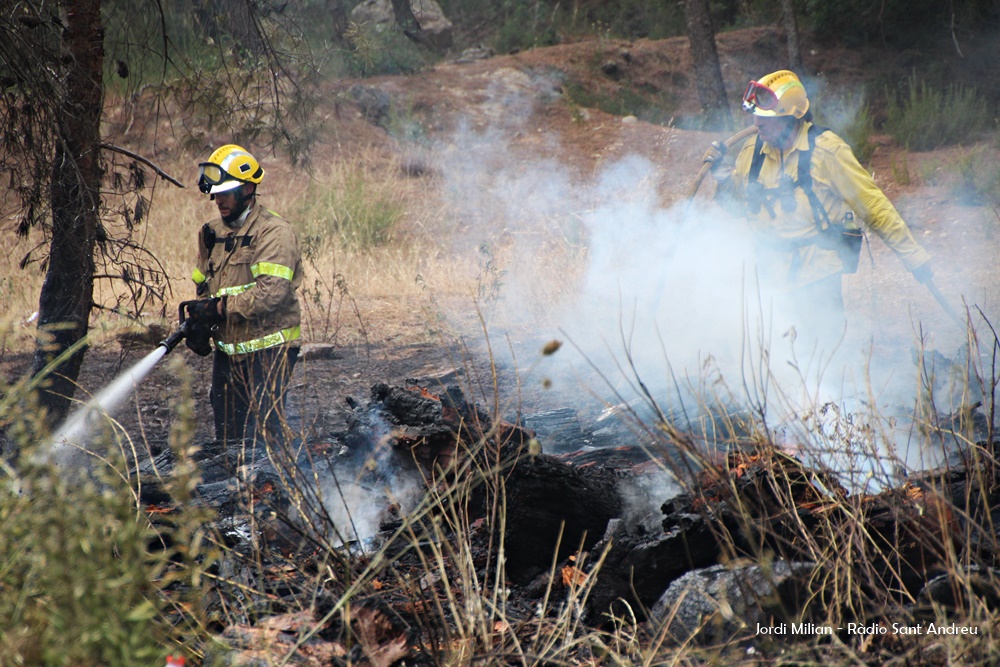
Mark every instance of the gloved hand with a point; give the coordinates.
(207, 311)
(716, 156)
(923, 273)
(199, 339)
(716, 152)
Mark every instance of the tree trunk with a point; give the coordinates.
(707, 71)
(242, 21)
(792, 36)
(338, 19)
(406, 20)
(67, 293)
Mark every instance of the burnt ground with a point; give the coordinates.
(488, 93)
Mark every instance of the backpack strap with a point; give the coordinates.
(758, 160)
(805, 180)
(846, 242)
(755, 191)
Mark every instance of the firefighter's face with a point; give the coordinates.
(777, 131)
(232, 203)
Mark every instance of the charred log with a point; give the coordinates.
(436, 432)
(766, 505)
(746, 510)
(637, 569)
(555, 509)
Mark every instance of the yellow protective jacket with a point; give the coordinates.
(258, 267)
(796, 250)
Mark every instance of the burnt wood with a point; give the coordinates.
(546, 498)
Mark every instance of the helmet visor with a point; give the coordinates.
(759, 96)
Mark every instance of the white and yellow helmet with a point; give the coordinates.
(780, 93)
(227, 168)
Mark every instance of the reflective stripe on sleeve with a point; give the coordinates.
(238, 289)
(198, 277)
(258, 344)
(259, 269)
(271, 269)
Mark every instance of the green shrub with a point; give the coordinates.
(86, 577)
(76, 585)
(514, 25)
(622, 101)
(360, 209)
(901, 170)
(637, 18)
(976, 178)
(524, 24)
(404, 123)
(932, 117)
(855, 22)
(858, 133)
(851, 119)
(378, 52)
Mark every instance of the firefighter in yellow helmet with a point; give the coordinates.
(246, 275)
(810, 221)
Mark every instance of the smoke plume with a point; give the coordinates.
(672, 295)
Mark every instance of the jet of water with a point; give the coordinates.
(80, 425)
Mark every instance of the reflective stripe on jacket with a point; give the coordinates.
(848, 193)
(258, 267)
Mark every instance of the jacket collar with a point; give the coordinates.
(240, 222)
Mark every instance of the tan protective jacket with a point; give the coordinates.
(786, 225)
(257, 267)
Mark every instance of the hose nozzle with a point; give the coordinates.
(171, 341)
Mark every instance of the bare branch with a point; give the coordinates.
(145, 161)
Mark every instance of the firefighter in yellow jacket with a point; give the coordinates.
(807, 197)
(247, 273)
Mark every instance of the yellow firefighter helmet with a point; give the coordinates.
(227, 168)
(777, 94)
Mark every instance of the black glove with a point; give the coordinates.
(206, 311)
(716, 156)
(923, 273)
(199, 339)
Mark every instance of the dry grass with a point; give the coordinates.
(463, 612)
(374, 239)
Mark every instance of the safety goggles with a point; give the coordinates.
(759, 96)
(210, 175)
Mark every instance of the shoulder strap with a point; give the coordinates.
(804, 178)
(758, 160)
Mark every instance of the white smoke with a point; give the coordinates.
(643, 497)
(357, 509)
(673, 291)
(357, 502)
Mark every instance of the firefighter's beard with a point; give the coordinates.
(242, 203)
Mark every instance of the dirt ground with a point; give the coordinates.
(525, 95)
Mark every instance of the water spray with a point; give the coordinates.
(84, 419)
